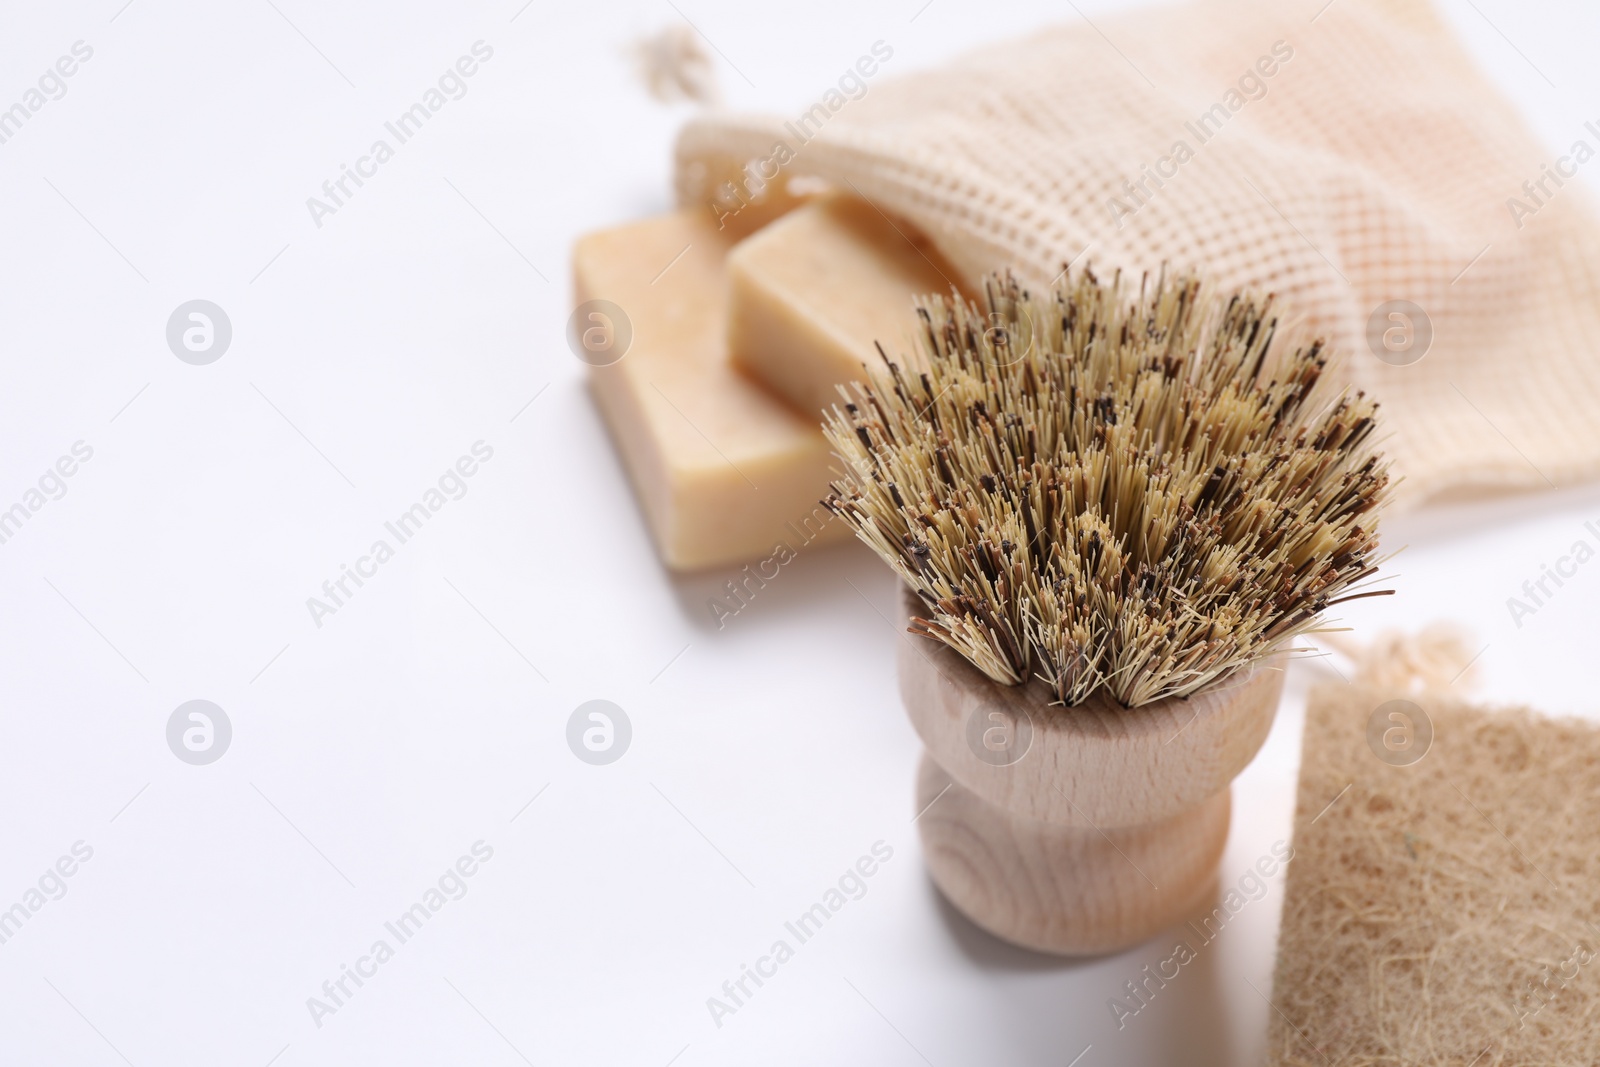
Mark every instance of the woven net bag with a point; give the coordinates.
(1371, 179)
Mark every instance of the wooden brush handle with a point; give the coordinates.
(1094, 764)
(1070, 890)
(1075, 830)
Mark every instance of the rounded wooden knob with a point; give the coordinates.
(1070, 890)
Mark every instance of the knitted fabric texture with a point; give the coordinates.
(1373, 164)
(1441, 912)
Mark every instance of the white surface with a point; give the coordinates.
(370, 753)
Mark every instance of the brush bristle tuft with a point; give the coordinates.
(1133, 495)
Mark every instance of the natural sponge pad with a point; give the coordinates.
(1444, 911)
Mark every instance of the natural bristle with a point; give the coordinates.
(1133, 495)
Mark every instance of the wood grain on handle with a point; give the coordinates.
(1066, 889)
(1075, 830)
(1096, 764)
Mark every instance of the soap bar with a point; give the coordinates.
(811, 293)
(724, 471)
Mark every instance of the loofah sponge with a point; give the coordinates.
(1443, 902)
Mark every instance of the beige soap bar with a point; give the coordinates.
(724, 472)
(810, 293)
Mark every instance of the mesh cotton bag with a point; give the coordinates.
(1373, 164)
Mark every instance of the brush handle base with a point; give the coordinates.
(1067, 890)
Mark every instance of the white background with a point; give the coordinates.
(370, 753)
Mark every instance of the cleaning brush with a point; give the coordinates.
(1134, 495)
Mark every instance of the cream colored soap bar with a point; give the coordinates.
(810, 293)
(724, 472)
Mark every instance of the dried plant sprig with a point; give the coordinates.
(1129, 495)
